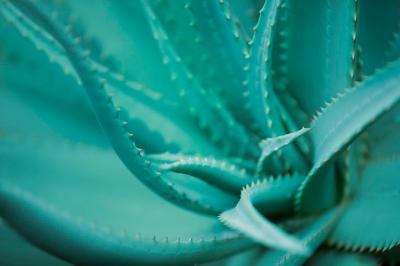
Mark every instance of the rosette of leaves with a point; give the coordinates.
(262, 133)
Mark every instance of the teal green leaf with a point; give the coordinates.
(320, 47)
(112, 118)
(220, 173)
(369, 222)
(16, 251)
(377, 32)
(373, 97)
(134, 96)
(340, 258)
(271, 145)
(246, 218)
(79, 230)
(311, 235)
(226, 42)
(127, 128)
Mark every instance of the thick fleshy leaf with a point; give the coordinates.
(204, 105)
(114, 120)
(220, 173)
(378, 22)
(311, 236)
(248, 257)
(271, 145)
(225, 40)
(124, 35)
(82, 204)
(340, 258)
(16, 251)
(321, 39)
(35, 91)
(343, 120)
(370, 221)
(383, 134)
(180, 25)
(274, 196)
(260, 101)
(136, 98)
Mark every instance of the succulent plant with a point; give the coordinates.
(262, 133)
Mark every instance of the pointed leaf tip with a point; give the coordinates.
(262, 231)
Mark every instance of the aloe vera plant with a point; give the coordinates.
(262, 133)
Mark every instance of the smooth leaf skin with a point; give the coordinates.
(268, 195)
(271, 145)
(221, 174)
(115, 121)
(377, 32)
(311, 235)
(226, 43)
(69, 221)
(319, 50)
(375, 96)
(49, 97)
(340, 258)
(15, 251)
(127, 39)
(137, 99)
(373, 209)
(110, 111)
(203, 105)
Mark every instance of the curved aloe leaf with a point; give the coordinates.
(247, 219)
(226, 43)
(372, 210)
(376, 32)
(137, 99)
(220, 173)
(340, 258)
(322, 34)
(271, 145)
(112, 118)
(311, 236)
(14, 249)
(374, 97)
(73, 216)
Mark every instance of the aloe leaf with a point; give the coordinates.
(38, 183)
(383, 134)
(220, 173)
(42, 101)
(271, 145)
(29, 106)
(373, 209)
(279, 63)
(259, 92)
(225, 40)
(180, 25)
(311, 236)
(16, 250)
(147, 113)
(112, 118)
(136, 98)
(323, 36)
(261, 102)
(41, 39)
(204, 106)
(248, 220)
(376, 32)
(393, 51)
(246, 13)
(124, 38)
(374, 97)
(340, 258)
